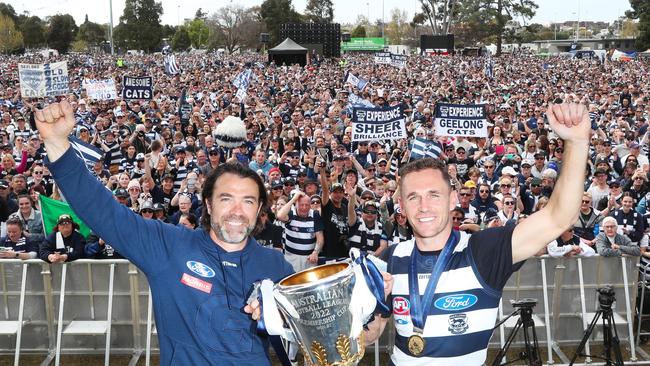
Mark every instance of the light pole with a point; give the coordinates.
(110, 29)
(382, 21)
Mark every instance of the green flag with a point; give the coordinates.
(52, 209)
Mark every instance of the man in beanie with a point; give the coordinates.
(64, 244)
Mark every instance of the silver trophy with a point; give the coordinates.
(325, 308)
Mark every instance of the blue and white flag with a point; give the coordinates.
(243, 79)
(355, 101)
(423, 148)
(489, 68)
(89, 153)
(355, 81)
(171, 68)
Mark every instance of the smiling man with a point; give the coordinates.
(199, 279)
(446, 284)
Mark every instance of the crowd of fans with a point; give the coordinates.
(328, 193)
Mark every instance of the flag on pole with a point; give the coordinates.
(171, 67)
(242, 79)
(52, 209)
(355, 81)
(489, 68)
(423, 148)
(89, 153)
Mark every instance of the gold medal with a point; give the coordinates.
(416, 344)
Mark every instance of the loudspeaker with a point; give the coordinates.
(264, 37)
(345, 37)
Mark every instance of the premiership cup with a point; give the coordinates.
(325, 308)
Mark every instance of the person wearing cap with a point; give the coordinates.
(462, 161)
(465, 197)
(64, 244)
(15, 244)
(303, 237)
(214, 159)
(398, 229)
(481, 263)
(199, 279)
(539, 165)
(334, 213)
(111, 146)
(599, 188)
(366, 232)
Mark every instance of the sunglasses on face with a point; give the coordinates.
(509, 203)
(465, 194)
(489, 167)
(586, 202)
(484, 191)
(457, 218)
(147, 211)
(315, 203)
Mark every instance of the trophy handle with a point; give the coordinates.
(271, 315)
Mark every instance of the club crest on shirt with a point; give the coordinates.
(200, 269)
(401, 306)
(458, 323)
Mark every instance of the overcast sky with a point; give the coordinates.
(345, 11)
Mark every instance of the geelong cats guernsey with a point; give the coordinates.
(458, 325)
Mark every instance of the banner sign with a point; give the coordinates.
(363, 44)
(137, 87)
(460, 120)
(378, 124)
(100, 89)
(43, 80)
(382, 58)
(398, 60)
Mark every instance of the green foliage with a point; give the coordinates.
(198, 33)
(641, 11)
(62, 31)
(181, 41)
(200, 14)
(92, 34)
(139, 26)
(358, 32)
(33, 30)
(274, 13)
(320, 11)
(11, 39)
(8, 10)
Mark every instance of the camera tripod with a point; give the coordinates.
(523, 308)
(610, 334)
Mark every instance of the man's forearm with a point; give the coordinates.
(567, 195)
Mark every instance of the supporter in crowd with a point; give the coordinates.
(610, 243)
(31, 219)
(303, 237)
(569, 245)
(64, 244)
(15, 244)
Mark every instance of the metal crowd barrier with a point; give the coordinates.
(98, 307)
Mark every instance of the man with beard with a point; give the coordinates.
(199, 279)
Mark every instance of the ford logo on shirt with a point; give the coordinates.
(456, 302)
(200, 269)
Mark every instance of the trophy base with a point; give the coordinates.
(343, 348)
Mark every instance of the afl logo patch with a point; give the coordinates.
(200, 269)
(401, 306)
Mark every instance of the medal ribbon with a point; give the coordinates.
(417, 312)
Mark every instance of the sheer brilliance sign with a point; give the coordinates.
(377, 124)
